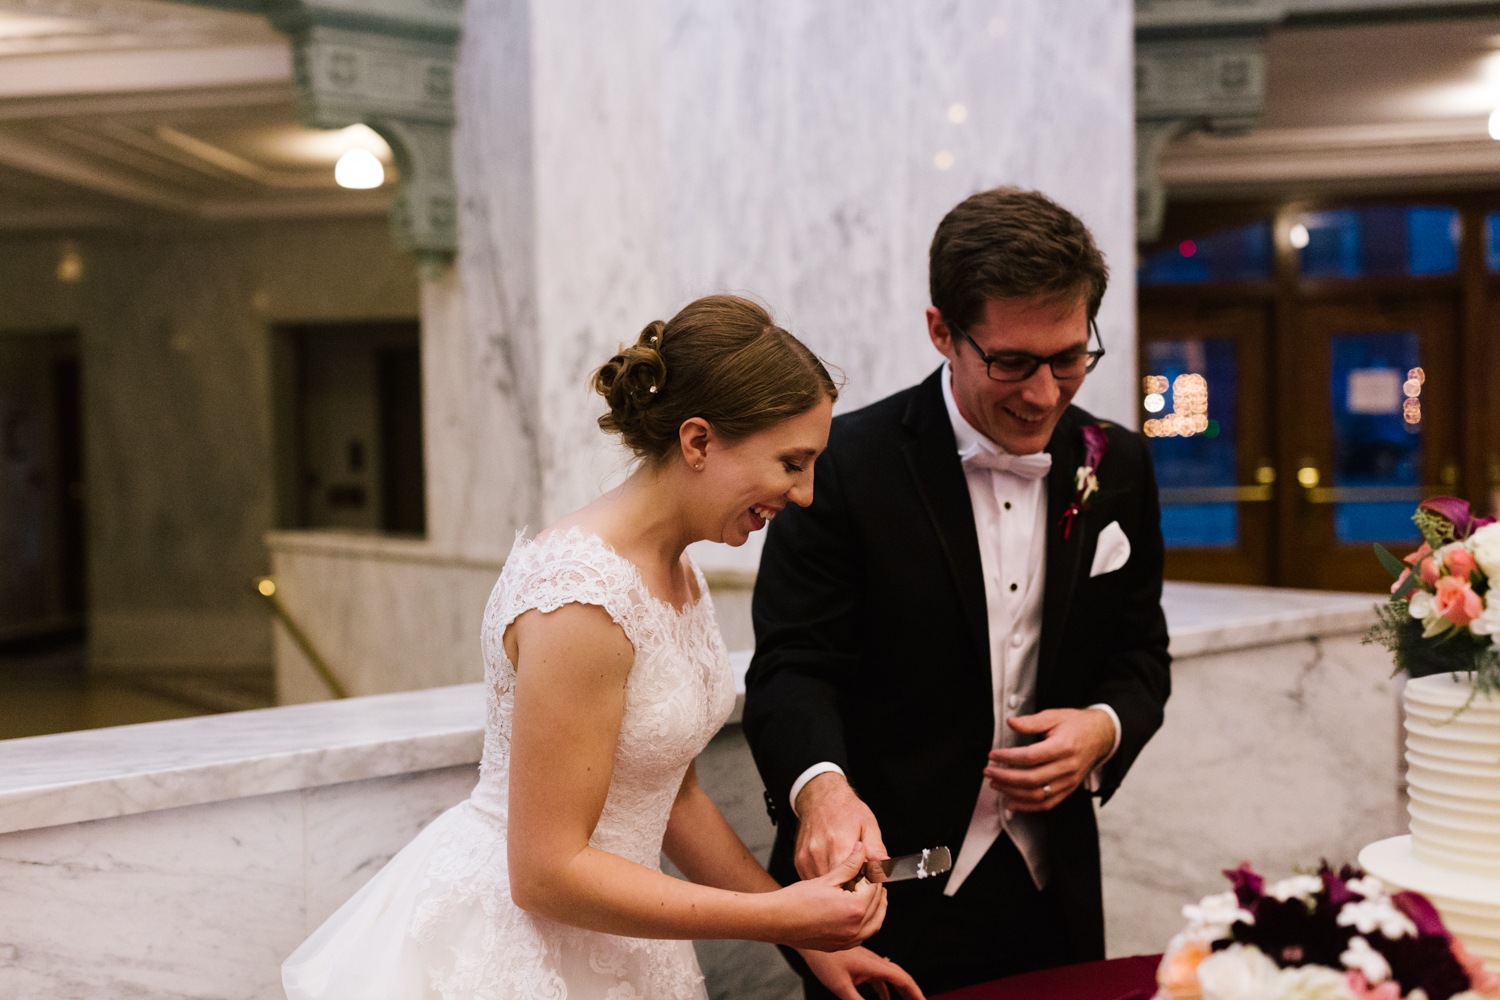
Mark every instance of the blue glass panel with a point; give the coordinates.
(1200, 525)
(1332, 249)
(1239, 254)
(1373, 444)
(1492, 241)
(1432, 240)
(1207, 458)
(1381, 240)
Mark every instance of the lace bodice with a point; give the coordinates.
(679, 692)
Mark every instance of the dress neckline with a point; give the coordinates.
(579, 533)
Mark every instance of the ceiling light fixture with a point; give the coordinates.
(359, 169)
(1298, 236)
(1495, 124)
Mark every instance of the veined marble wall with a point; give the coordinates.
(615, 162)
(173, 333)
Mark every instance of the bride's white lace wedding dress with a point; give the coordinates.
(438, 920)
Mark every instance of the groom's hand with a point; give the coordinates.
(1037, 777)
(833, 819)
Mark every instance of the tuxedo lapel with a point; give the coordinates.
(1063, 554)
(932, 458)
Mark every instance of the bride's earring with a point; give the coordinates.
(698, 466)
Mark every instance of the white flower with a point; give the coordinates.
(1087, 483)
(1298, 886)
(1488, 623)
(1369, 887)
(1368, 915)
(1212, 917)
(1239, 972)
(1313, 982)
(1420, 604)
(1362, 958)
(1484, 544)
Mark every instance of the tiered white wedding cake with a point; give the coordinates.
(1452, 855)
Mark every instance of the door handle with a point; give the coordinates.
(1370, 494)
(1261, 493)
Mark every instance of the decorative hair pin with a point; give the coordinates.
(653, 388)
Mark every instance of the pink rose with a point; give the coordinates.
(1486, 984)
(1362, 990)
(1456, 601)
(1458, 561)
(1428, 568)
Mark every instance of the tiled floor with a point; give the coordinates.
(46, 687)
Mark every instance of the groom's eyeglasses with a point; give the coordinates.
(1018, 366)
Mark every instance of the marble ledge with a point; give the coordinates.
(1207, 618)
(103, 773)
(339, 544)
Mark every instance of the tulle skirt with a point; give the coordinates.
(438, 923)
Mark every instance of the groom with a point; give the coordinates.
(961, 640)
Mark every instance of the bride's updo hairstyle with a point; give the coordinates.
(721, 358)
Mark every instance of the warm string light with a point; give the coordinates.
(1411, 410)
(1189, 414)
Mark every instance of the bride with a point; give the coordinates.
(606, 676)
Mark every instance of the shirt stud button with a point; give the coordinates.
(1007, 505)
(1013, 588)
(1017, 639)
(1015, 701)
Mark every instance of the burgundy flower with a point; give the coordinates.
(1422, 913)
(1095, 444)
(1248, 886)
(1457, 513)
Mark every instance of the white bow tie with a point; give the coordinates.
(1026, 466)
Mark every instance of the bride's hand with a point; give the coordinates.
(820, 914)
(842, 971)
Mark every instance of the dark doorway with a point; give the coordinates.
(42, 577)
(350, 427)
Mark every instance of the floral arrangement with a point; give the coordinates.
(1085, 482)
(1443, 616)
(1329, 936)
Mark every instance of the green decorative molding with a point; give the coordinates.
(388, 64)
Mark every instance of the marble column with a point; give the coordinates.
(613, 163)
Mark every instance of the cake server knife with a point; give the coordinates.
(924, 864)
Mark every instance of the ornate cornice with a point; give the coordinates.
(388, 64)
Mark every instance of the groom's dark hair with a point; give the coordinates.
(1012, 244)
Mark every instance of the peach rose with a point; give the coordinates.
(1456, 601)
(1428, 569)
(1458, 560)
(1177, 976)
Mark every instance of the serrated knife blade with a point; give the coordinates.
(924, 864)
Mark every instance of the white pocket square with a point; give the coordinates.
(1112, 551)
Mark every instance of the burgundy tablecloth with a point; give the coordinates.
(1131, 978)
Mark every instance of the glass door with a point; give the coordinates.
(1202, 390)
(1367, 406)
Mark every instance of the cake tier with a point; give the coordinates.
(1453, 774)
(1469, 904)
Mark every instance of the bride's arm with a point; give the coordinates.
(703, 845)
(572, 665)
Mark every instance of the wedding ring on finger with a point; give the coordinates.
(1046, 789)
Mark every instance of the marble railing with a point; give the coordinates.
(188, 858)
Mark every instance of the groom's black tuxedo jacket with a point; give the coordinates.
(872, 636)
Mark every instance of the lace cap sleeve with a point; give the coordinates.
(571, 567)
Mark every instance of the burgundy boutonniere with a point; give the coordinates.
(1095, 444)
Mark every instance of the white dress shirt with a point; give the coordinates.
(1010, 518)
